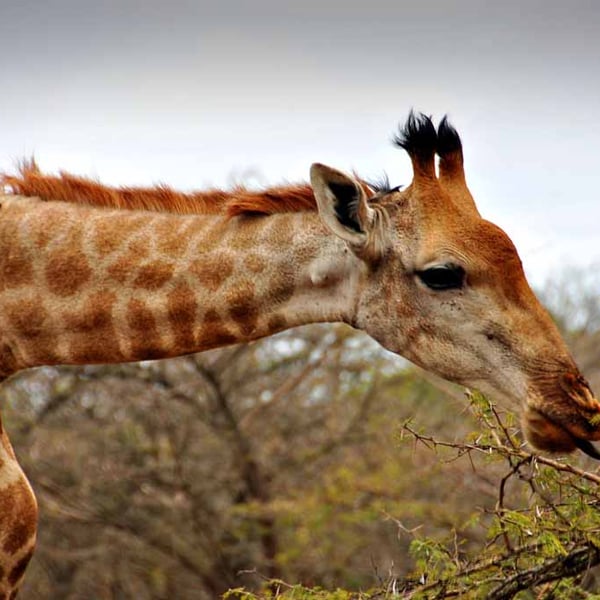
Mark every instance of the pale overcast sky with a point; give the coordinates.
(192, 93)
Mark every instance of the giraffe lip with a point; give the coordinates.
(587, 448)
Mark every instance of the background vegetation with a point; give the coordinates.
(313, 458)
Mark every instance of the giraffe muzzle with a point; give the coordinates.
(564, 418)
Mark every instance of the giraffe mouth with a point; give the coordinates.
(564, 419)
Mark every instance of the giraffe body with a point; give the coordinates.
(93, 274)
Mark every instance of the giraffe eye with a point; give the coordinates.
(443, 277)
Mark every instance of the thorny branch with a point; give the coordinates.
(518, 453)
(575, 562)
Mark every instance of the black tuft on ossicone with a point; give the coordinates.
(418, 137)
(448, 140)
(382, 186)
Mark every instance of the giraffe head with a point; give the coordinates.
(443, 287)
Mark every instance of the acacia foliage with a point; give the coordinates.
(542, 535)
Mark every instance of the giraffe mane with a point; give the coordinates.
(65, 187)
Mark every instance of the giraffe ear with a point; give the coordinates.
(342, 204)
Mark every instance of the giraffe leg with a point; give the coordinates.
(18, 520)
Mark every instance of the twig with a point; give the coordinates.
(432, 443)
(558, 568)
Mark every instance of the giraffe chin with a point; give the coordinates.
(545, 434)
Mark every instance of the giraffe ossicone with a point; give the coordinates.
(91, 274)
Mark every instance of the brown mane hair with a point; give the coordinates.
(30, 181)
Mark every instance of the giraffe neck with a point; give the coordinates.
(124, 285)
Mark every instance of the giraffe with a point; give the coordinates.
(93, 274)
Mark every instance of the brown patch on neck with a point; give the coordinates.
(30, 181)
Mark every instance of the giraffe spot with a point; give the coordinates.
(212, 316)
(281, 291)
(191, 229)
(214, 332)
(244, 233)
(182, 307)
(95, 314)
(139, 316)
(30, 321)
(110, 232)
(95, 349)
(66, 273)
(132, 253)
(15, 265)
(282, 285)
(106, 238)
(277, 323)
(8, 363)
(170, 240)
(210, 238)
(44, 227)
(149, 351)
(146, 342)
(137, 250)
(19, 569)
(242, 306)
(154, 275)
(67, 269)
(281, 231)
(94, 337)
(27, 317)
(213, 270)
(18, 516)
(255, 263)
(120, 269)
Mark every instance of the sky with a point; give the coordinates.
(193, 93)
